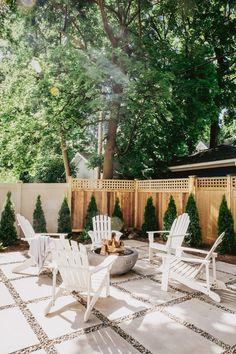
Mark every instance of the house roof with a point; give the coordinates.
(221, 156)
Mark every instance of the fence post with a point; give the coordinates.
(135, 203)
(192, 185)
(19, 185)
(69, 192)
(229, 192)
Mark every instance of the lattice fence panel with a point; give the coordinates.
(233, 181)
(181, 184)
(212, 183)
(106, 184)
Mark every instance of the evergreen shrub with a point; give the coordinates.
(91, 212)
(225, 224)
(64, 219)
(117, 210)
(194, 239)
(150, 222)
(8, 234)
(169, 216)
(39, 222)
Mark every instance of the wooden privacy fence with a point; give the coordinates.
(133, 195)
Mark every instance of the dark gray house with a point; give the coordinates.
(220, 161)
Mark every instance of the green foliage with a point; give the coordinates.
(194, 239)
(172, 93)
(39, 222)
(150, 222)
(64, 219)
(8, 235)
(117, 210)
(91, 212)
(225, 224)
(169, 216)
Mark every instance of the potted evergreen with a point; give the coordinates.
(169, 216)
(39, 222)
(150, 222)
(225, 224)
(8, 234)
(64, 219)
(194, 237)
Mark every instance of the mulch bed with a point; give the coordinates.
(18, 247)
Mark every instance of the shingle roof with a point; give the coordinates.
(222, 152)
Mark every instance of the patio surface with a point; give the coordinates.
(137, 317)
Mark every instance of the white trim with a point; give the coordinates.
(201, 165)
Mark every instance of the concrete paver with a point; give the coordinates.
(151, 291)
(162, 335)
(65, 317)
(15, 333)
(137, 317)
(5, 297)
(104, 341)
(209, 318)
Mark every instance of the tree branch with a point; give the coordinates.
(114, 40)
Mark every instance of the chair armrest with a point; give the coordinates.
(196, 250)
(51, 234)
(107, 263)
(185, 259)
(151, 234)
(194, 260)
(158, 232)
(28, 238)
(178, 235)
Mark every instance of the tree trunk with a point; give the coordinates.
(65, 156)
(214, 130)
(100, 141)
(221, 69)
(108, 165)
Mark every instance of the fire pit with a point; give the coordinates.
(127, 257)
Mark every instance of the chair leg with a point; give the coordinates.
(150, 254)
(52, 301)
(94, 299)
(54, 281)
(108, 284)
(165, 274)
(214, 268)
(26, 264)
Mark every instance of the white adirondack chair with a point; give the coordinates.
(35, 240)
(102, 230)
(188, 270)
(178, 230)
(77, 275)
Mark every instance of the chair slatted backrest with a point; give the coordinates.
(179, 227)
(26, 226)
(72, 262)
(101, 227)
(213, 248)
